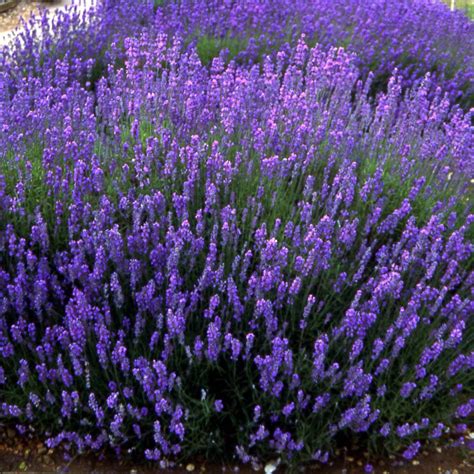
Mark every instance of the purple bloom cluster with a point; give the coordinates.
(230, 258)
(414, 36)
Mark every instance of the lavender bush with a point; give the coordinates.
(232, 260)
(414, 36)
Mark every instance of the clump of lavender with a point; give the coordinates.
(415, 36)
(233, 260)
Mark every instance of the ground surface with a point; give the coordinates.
(11, 18)
(21, 455)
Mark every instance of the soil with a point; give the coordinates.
(10, 19)
(19, 454)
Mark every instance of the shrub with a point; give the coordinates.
(232, 260)
(414, 36)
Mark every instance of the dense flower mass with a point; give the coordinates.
(212, 255)
(415, 36)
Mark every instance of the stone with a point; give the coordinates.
(271, 467)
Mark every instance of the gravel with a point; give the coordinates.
(11, 18)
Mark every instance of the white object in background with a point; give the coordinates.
(272, 466)
(453, 5)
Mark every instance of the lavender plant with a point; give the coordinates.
(234, 261)
(414, 36)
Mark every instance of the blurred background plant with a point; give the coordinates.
(466, 5)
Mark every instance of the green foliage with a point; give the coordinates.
(209, 47)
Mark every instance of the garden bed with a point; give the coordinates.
(20, 455)
(7, 5)
(11, 17)
(222, 243)
(10, 14)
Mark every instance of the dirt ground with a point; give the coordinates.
(28, 455)
(11, 18)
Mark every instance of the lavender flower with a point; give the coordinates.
(272, 241)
